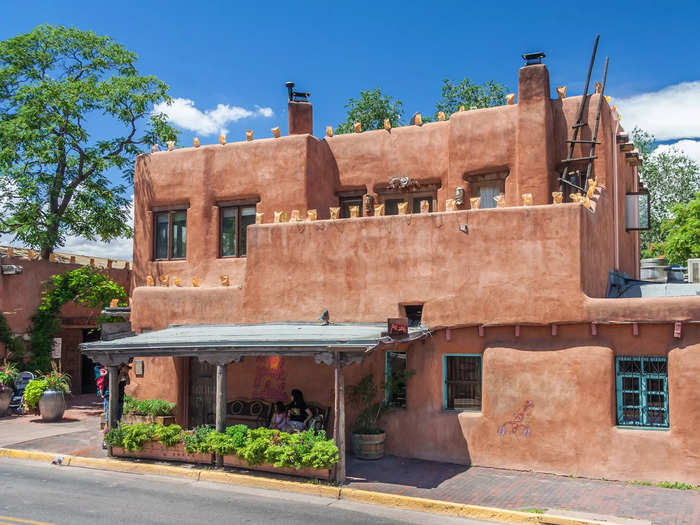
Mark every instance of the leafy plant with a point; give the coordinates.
(470, 95)
(371, 109)
(682, 232)
(115, 437)
(13, 345)
(169, 435)
(56, 380)
(362, 396)
(8, 374)
(136, 435)
(196, 442)
(33, 391)
(149, 407)
(238, 435)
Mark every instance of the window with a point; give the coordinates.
(396, 379)
(170, 235)
(486, 186)
(346, 202)
(233, 226)
(642, 391)
(487, 192)
(462, 385)
(391, 202)
(414, 313)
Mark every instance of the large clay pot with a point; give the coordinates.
(5, 397)
(368, 446)
(52, 405)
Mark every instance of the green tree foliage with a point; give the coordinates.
(58, 86)
(470, 95)
(671, 177)
(371, 109)
(85, 286)
(682, 232)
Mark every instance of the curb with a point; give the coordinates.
(327, 491)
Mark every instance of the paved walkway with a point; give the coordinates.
(80, 436)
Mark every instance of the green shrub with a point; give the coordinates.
(136, 435)
(169, 435)
(196, 442)
(238, 435)
(130, 404)
(33, 392)
(149, 407)
(115, 437)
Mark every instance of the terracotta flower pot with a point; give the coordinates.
(235, 461)
(5, 397)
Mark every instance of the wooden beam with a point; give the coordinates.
(113, 405)
(339, 419)
(220, 405)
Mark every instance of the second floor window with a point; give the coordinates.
(170, 235)
(233, 229)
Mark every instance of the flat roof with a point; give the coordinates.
(252, 339)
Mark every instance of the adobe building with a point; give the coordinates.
(21, 284)
(521, 359)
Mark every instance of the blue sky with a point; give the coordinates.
(239, 54)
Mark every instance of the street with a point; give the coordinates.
(39, 494)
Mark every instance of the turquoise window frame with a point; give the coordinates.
(444, 381)
(387, 394)
(642, 376)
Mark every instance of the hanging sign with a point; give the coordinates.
(398, 326)
(56, 351)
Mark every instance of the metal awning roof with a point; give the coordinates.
(228, 343)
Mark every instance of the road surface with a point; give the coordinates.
(33, 493)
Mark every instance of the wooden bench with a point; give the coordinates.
(256, 413)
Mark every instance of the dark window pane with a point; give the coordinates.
(631, 416)
(463, 382)
(417, 201)
(630, 399)
(630, 365)
(228, 231)
(396, 378)
(346, 202)
(179, 234)
(247, 218)
(161, 235)
(391, 206)
(630, 383)
(656, 417)
(655, 385)
(656, 401)
(655, 367)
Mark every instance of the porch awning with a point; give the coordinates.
(229, 343)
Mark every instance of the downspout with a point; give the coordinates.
(616, 206)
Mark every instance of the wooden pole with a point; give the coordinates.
(220, 405)
(339, 416)
(113, 404)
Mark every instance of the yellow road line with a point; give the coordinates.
(20, 520)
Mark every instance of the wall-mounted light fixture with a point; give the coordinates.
(11, 269)
(637, 210)
(459, 196)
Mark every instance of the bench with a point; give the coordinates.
(256, 413)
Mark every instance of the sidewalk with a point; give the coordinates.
(507, 489)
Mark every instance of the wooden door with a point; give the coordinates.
(202, 402)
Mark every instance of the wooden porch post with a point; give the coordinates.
(220, 405)
(339, 418)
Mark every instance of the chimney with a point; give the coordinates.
(300, 112)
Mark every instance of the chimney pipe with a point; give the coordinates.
(300, 111)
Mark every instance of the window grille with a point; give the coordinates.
(462, 382)
(642, 391)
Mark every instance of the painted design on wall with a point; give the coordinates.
(517, 424)
(270, 379)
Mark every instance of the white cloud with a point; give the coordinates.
(183, 114)
(670, 113)
(121, 249)
(691, 148)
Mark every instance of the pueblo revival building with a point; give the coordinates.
(521, 358)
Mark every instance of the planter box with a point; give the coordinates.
(155, 450)
(235, 461)
(130, 419)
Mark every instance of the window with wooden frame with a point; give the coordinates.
(233, 226)
(170, 234)
(391, 200)
(395, 378)
(462, 382)
(487, 186)
(642, 391)
(345, 201)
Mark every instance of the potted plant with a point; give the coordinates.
(8, 374)
(48, 393)
(367, 438)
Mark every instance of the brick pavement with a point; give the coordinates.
(524, 490)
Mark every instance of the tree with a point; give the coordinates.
(471, 96)
(671, 178)
(682, 232)
(58, 87)
(371, 109)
